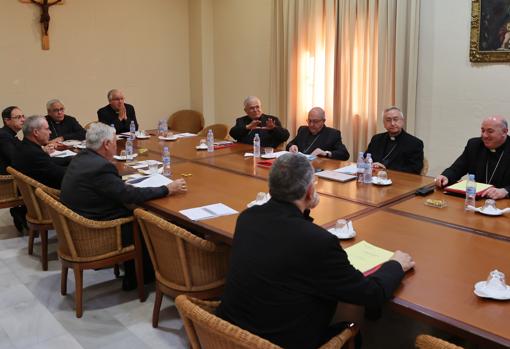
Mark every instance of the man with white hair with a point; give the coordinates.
(62, 126)
(396, 149)
(117, 113)
(268, 127)
(93, 188)
(32, 160)
(318, 139)
(287, 274)
(487, 157)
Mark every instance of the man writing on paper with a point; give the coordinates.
(318, 139)
(487, 157)
(269, 128)
(93, 188)
(287, 274)
(396, 149)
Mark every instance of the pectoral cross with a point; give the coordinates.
(45, 18)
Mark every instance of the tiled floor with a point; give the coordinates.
(33, 314)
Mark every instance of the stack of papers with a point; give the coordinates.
(335, 176)
(153, 181)
(184, 135)
(350, 169)
(62, 153)
(365, 257)
(209, 211)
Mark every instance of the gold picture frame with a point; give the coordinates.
(490, 31)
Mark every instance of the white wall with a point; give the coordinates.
(454, 95)
(141, 47)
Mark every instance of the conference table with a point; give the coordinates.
(453, 249)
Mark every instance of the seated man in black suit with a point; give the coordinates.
(269, 127)
(318, 139)
(62, 126)
(396, 149)
(32, 160)
(487, 157)
(287, 274)
(117, 113)
(13, 119)
(93, 188)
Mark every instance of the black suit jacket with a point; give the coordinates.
(93, 188)
(406, 156)
(480, 161)
(268, 138)
(69, 128)
(108, 116)
(287, 275)
(8, 144)
(327, 139)
(32, 161)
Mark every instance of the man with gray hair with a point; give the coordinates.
(32, 160)
(396, 149)
(268, 127)
(62, 126)
(117, 113)
(287, 274)
(318, 139)
(487, 157)
(93, 188)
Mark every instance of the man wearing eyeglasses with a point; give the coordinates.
(318, 139)
(117, 113)
(62, 126)
(396, 149)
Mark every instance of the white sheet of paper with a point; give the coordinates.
(62, 153)
(209, 211)
(351, 169)
(153, 181)
(184, 135)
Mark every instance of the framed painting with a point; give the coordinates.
(490, 31)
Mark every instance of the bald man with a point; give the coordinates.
(487, 157)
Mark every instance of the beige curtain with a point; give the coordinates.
(351, 57)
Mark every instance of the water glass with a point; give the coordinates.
(496, 280)
(123, 154)
(489, 205)
(153, 166)
(383, 176)
(268, 150)
(341, 224)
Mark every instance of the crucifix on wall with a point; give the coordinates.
(45, 18)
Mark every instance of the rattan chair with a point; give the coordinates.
(87, 244)
(186, 121)
(424, 341)
(183, 262)
(38, 218)
(9, 194)
(220, 131)
(206, 330)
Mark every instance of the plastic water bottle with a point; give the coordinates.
(132, 129)
(162, 127)
(129, 149)
(360, 167)
(256, 146)
(367, 175)
(167, 170)
(470, 191)
(210, 141)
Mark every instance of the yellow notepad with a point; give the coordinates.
(460, 187)
(365, 256)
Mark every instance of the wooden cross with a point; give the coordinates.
(45, 18)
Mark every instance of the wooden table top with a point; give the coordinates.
(448, 264)
(404, 184)
(454, 214)
(208, 185)
(184, 148)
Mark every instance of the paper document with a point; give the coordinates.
(62, 153)
(364, 256)
(351, 169)
(335, 176)
(152, 181)
(460, 187)
(209, 211)
(144, 163)
(184, 135)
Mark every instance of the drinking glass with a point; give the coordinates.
(383, 176)
(496, 280)
(341, 224)
(268, 150)
(489, 205)
(153, 166)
